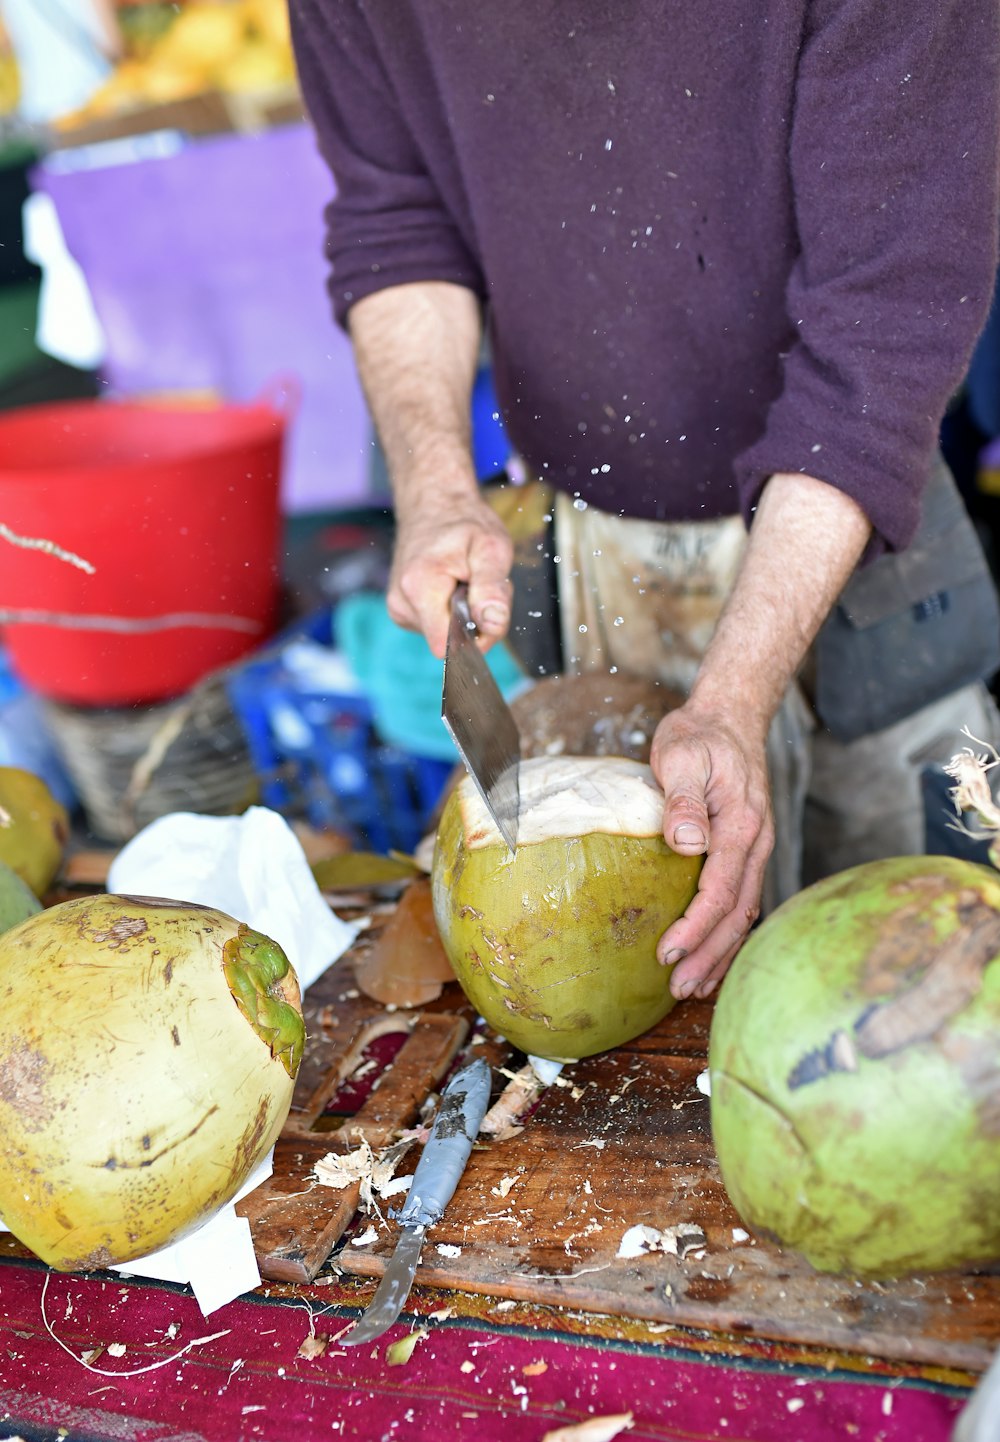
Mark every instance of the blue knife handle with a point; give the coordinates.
(446, 1151)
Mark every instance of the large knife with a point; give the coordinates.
(446, 1151)
(481, 723)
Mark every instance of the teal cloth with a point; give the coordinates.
(402, 679)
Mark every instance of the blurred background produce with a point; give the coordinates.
(173, 51)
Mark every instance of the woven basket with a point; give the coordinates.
(131, 765)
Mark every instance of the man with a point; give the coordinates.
(733, 260)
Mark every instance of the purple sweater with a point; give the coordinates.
(715, 240)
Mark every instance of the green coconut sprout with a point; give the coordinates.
(257, 971)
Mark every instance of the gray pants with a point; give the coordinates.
(838, 804)
(644, 596)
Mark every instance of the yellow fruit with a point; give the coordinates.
(256, 66)
(148, 1051)
(34, 828)
(164, 80)
(203, 36)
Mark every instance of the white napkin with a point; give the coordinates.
(250, 866)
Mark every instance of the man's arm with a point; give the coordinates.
(709, 755)
(417, 347)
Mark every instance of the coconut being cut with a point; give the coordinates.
(555, 944)
(148, 1051)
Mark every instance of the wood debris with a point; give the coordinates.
(372, 1172)
(505, 1184)
(685, 1239)
(521, 1092)
(313, 1346)
(595, 1429)
(534, 1369)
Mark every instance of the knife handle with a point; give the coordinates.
(456, 1126)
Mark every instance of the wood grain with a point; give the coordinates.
(540, 1217)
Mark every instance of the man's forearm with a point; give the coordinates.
(805, 541)
(416, 348)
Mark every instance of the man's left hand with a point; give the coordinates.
(717, 802)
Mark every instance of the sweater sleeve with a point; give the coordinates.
(386, 224)
(894, 165)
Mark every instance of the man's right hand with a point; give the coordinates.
(417, 348)
(441, 541)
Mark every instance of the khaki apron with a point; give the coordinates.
(646, 596)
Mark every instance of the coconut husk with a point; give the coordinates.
(406, 964)
(593, 714)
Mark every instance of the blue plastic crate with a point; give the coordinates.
(317, 755)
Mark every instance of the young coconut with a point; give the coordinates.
(556, 945)
(148, 1050)
(34, 828)
(855, 1067)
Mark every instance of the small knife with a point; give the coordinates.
(479, 720)
(446, 1151)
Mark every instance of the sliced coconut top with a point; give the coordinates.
(571, 796)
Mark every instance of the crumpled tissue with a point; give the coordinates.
(252, 867)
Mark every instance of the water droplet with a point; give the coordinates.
(579, 504)
(583, 630)
(619, 621)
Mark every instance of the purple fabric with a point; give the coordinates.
(466, 1379)
(207, 271)
(717, 241)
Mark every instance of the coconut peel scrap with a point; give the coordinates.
(678, 1241)
(373, 1172)
(972, 790)
(594, 1429)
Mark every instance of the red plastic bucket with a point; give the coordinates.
(175, 508)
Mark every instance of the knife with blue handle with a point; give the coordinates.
(446, 1151)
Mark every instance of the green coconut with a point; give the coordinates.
(17, 900)
(34, 828)
(555, 945)
(855, 1069)
(148, 1050)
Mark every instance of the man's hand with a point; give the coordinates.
(714, 780)
(417, 347)
(457, 539)
(709, 755)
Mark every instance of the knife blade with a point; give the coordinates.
(480, 722)
(446, 1151)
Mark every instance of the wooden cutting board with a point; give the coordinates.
(623, 1140)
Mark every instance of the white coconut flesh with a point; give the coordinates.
(570, 797)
